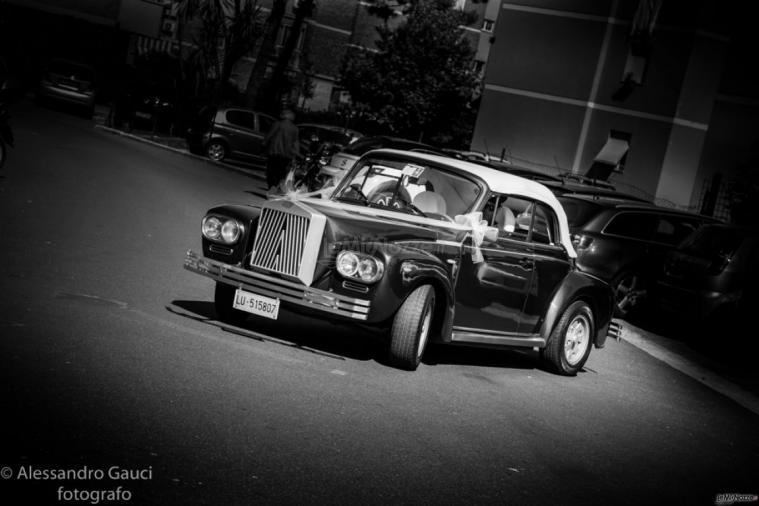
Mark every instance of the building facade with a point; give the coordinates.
(629, 90)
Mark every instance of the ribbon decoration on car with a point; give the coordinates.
(479, 229)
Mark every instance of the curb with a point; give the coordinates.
(676, 355)
(258, 174)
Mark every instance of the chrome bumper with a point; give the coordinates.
(261, 284)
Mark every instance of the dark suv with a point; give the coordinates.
(625, 242)
(712, 278)
(229, 133)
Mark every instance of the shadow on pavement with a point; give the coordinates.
(293, 330)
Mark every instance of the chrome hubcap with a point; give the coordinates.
(629, 293)
(215, 152)
(577, 339)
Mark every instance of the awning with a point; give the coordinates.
(608, 159)
(147, 45)
(613, 151)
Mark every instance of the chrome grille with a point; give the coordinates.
(280, 242)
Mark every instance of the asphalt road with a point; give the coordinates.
(109, 356)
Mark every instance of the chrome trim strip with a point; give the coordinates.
(279, 288)
(460, 335)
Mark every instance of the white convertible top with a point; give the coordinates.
(499, 182)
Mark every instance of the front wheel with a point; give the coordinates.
(216, 151)
(568, 346)
(411, 328)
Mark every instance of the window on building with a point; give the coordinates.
(487, 25)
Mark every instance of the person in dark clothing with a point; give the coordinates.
(281, 145)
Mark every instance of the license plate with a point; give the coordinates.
(256, 304)
(145, 115)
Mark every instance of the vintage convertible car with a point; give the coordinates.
(428, 247)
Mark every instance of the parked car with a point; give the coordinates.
(329, 134)
(625, 242)
(401, 244)
(68, 82)
(342, 161)
(564, 187)
(229, 132)
(711, 280)
(147, 105)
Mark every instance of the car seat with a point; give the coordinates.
(505, 220)
(430, 202)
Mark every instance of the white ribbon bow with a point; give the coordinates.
(479, 228)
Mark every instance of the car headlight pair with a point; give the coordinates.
(221, 229)
(359, 266)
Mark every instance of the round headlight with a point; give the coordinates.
(211, 227)
(368, 269)
(347, 263)
(230, 231)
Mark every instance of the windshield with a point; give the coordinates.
(408, 186)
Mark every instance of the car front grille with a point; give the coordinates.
(280, 242)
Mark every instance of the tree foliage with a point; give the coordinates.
(420, 83)
(228, 31)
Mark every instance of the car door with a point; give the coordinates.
(240, 132)
(491, 294)
(551, 263)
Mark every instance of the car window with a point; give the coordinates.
(80, 72)
(633, 225)
(520, 219)
(711, 242)
(543, 225)
(672, 230)
(242, 119)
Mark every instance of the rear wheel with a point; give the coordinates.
(569, 344)
(216, 151)
(411, 328)
(224, 296)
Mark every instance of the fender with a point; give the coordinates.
(409, 266)
(233, 255)
(579, 285)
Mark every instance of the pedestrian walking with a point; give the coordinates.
(281, 145)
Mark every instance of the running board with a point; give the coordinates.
(498, 339)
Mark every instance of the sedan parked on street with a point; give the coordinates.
(68, 82)
(401, 245)
(625, 242)
(229, 132)
(712, 279)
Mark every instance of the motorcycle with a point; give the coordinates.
(306, 173)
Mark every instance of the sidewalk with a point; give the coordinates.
(740, 385)
(172, 143)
